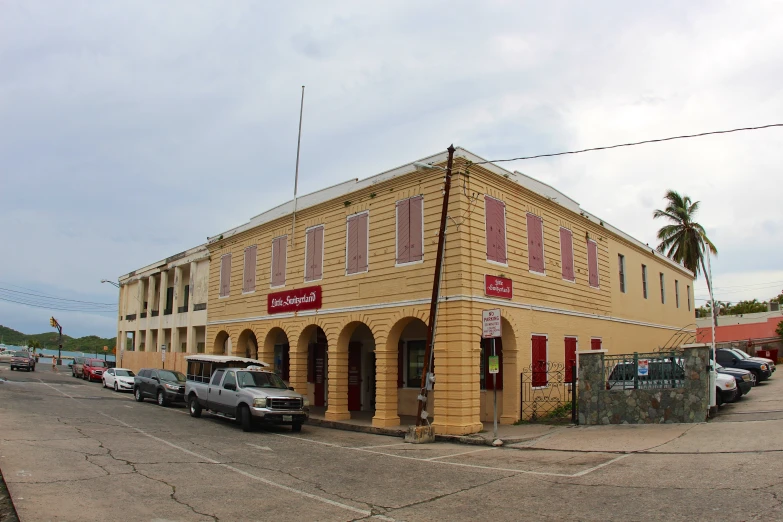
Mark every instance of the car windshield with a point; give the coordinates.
(124, 373)
(168, 375)
(740, 354)
(21, 354)
(96, 363)
(260, 380)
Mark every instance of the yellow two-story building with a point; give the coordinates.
(336, 294)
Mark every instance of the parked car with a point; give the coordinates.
(770, 362)
(745, 379)
(23, 360)
(77, 366)
(121, 379)
(92, 369)
(248, 394)
(165, 386)
(730, 358)
(725, 388)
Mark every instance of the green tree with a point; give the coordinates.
(34, 345)
(779, 329)
(683, 239)
(747, 307)
(778, 299)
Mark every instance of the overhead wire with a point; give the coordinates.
(657, 140)
(57, 298)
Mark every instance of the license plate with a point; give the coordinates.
(288, 418)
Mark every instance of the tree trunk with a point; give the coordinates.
(709, 288)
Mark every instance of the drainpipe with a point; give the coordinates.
(428, 353)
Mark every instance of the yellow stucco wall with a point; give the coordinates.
(385, 296)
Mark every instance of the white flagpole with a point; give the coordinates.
(713, 376)
(296, 175)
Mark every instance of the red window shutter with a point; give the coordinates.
(400, 367)
(567, 253)
(225, 275)
(249, 283)
(535, 243)
(592, 262)
(318, 266)
(311, 362)
(570, 358)
(363, 233)
(496, 230)
(417, 228)
(309, 254)
(539, 360)
(352, 250)
(595, 344)
(279, 261)
(403, 231)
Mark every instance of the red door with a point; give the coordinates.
(595, 344)
(570, 358)
(354, 376)
(320, 375)
(539, 361)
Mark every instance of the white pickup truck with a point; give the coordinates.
(242, 389)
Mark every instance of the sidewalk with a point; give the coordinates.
(757, 417)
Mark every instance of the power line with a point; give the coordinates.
(684, 136)
(51, 307)
(57, 298)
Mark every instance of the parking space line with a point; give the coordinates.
(363, 512)
(458, 454)
(382, 446)
(590, 470)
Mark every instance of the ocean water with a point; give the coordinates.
(45, 356)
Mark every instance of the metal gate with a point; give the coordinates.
(549, 393)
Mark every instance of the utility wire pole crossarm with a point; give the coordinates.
(428, 351)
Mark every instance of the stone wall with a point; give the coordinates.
(597, 405)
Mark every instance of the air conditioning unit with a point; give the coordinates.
(774, 306)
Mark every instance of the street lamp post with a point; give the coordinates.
(110, 282)
(118, 337)
(55, 324)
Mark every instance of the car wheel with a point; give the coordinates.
(244, 418)
(195, 407)
(33, 368)
(103, 383)
(756, 377)
(162, 401)
(296, 427)
(718, 397)
(116, 388)
(137, 394)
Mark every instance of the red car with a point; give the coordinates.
(93, 370)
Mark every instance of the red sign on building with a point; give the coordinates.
(294, 300)
(498, 287)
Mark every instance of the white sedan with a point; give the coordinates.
(121, 379)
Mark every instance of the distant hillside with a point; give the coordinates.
(89, 343)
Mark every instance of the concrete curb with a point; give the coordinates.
(471, 440)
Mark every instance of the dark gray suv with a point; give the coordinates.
(165, 386)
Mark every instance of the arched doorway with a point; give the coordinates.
(312, 341)
(410, 336)
(359, 342)
(505, 349)
(222, 344)
(277, 352)
(247, 344)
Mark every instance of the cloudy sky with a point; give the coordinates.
(130, 131)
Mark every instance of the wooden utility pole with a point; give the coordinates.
(428, 353)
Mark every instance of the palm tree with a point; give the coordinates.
(684, 240)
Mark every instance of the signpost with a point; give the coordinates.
(491, 328)
(163, 354)
(105, 350)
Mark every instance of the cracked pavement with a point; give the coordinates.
(70, 450)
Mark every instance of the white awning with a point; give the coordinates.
(224, 359)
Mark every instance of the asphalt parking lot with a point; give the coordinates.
(70, 450)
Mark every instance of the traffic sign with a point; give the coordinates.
(494, 364)
(163, 352)
(490, 323)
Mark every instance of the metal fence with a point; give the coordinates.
(548, 393)
(644, 371)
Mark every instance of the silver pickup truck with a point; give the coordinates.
(243, 390)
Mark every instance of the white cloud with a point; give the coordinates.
(131, 131)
